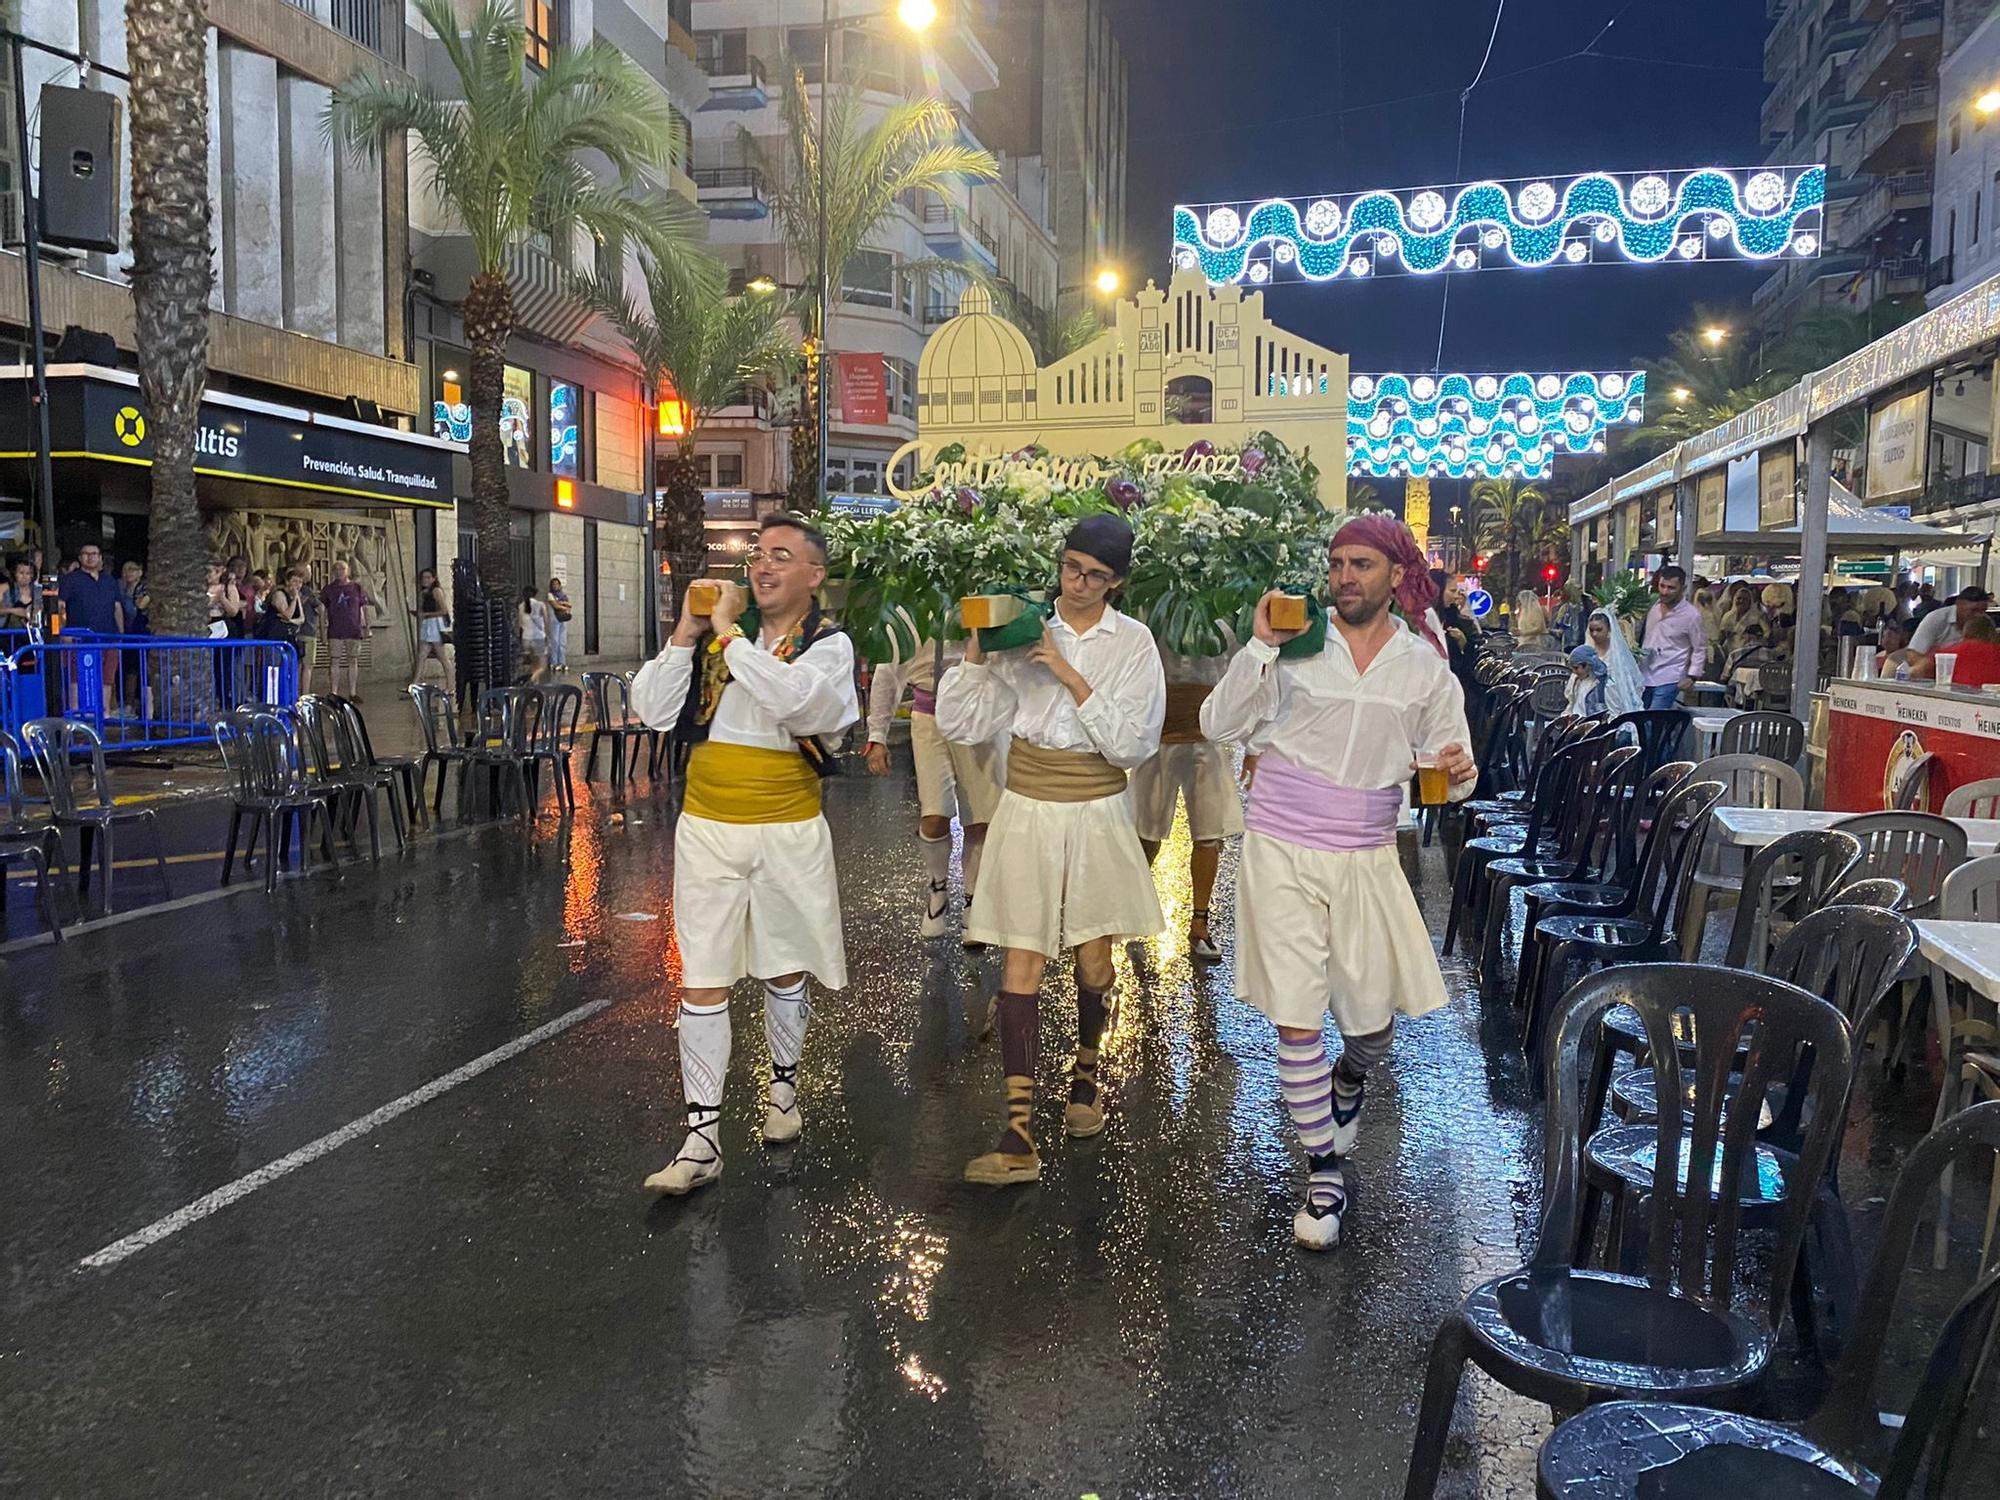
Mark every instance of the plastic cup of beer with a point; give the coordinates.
(1433, 782)
(703, 595)
(1947, 663)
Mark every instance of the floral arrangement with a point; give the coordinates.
(1206, 547)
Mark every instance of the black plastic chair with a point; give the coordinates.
(54, 743)
(333, 762)
(1775, 736)
(402, 769)
(1789, 878)
(1638, 1450)
(273, 791)
(36, 844)
(444, 744)
(1876, 890)
(553, 742)
(502, 746)
(1569, 1337)
(611, 718)
(1660, 731)
(1545, 812)
(1644, 928)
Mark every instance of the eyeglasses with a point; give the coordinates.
(783, 557)
(1088, 575)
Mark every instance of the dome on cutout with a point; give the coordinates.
(977, 345)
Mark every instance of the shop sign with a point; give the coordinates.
(1711, 501)
(1960, 714)
(110, 422)
(1898, 445)
(1777, 480)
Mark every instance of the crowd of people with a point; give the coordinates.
(1065, 758)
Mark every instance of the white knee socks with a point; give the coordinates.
(704, 1065)
(937, 866)
(786, 1012)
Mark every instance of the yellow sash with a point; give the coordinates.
(749, 784)
(1060, 775)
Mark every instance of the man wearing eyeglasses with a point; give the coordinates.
(754, 884)
(1063, 866)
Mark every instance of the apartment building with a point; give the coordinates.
(312, 444)
(1966, 215)
(750, 50)
(577, 420)
(1854, 84)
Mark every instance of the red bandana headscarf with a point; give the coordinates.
(1390, 537)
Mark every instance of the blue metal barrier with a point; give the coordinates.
(139, 690)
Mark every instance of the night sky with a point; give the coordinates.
(1260, 97)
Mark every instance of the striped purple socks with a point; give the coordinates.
(1307, 1084)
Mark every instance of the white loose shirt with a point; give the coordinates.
(1007, 693)
(885, 688)
(1937, 630)
(1355, 729)
(770, 704)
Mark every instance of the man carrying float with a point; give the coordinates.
(1325, 920)
(1063, 866)
(755, 891)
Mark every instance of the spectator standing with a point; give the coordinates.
(21, 604)
(278, 618)
(225, 603)
(346, 605)
(534, 619)
(559, 618)
(1925, 604)
(92, 601)
(310, 629)
(1675, 646)
(433, 621)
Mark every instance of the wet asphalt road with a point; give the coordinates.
(475, 1297)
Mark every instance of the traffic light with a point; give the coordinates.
(1551, 572)
(1478, 563)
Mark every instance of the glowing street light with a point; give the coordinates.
(1988, 103)
(1681, 394)
(1715, 336)
(1108, 281)
(917, 14)
(763, 286)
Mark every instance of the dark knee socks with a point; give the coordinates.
(1091, 1013)
(1020, 1048)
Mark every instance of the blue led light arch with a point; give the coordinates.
(1709, 213)
(1482, 426)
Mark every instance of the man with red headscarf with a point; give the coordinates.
(1324, 917)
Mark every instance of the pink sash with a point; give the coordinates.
(923, 701)
(1298, 807)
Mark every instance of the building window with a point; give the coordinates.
(909, 286)
(517, 416)
(1951, 235)
(1957, 133)
(565, 429)
(870, 279)
(543, 19)
(729, 471)
(451, 412)
(804, 50)
(1978, 213)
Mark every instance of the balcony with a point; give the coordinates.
(1899, 132)
(1902, 275)
(1868, 10)
(374, 24)
(953, 236)
(1940, 272)
(1915, 29)
(732, 192)
(1950, 494)
(1890, 196)
(736, 81)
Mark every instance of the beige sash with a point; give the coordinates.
(1061, 775)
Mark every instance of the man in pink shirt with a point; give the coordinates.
(1676, 645)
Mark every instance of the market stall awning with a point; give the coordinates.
(1852, 530)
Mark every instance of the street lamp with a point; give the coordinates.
(1108, 281)
(1715, 336)
(763, 286)
(1988, 103)
(1681, 394)
(917, 15)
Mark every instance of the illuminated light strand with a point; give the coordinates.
(1482, 425)
(1706, 214)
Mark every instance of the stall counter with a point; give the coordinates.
(1868, 718)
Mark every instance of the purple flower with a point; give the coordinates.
(1124, 493)
(1025, 455)
(968, 501)
(1201, 448)
(1253, 460)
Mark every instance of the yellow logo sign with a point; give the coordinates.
(130, 426)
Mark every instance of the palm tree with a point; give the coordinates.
(505, 151)
(913, 148)
(1052, 336)
(1512, 521)
(171, 277)
(706, 349)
